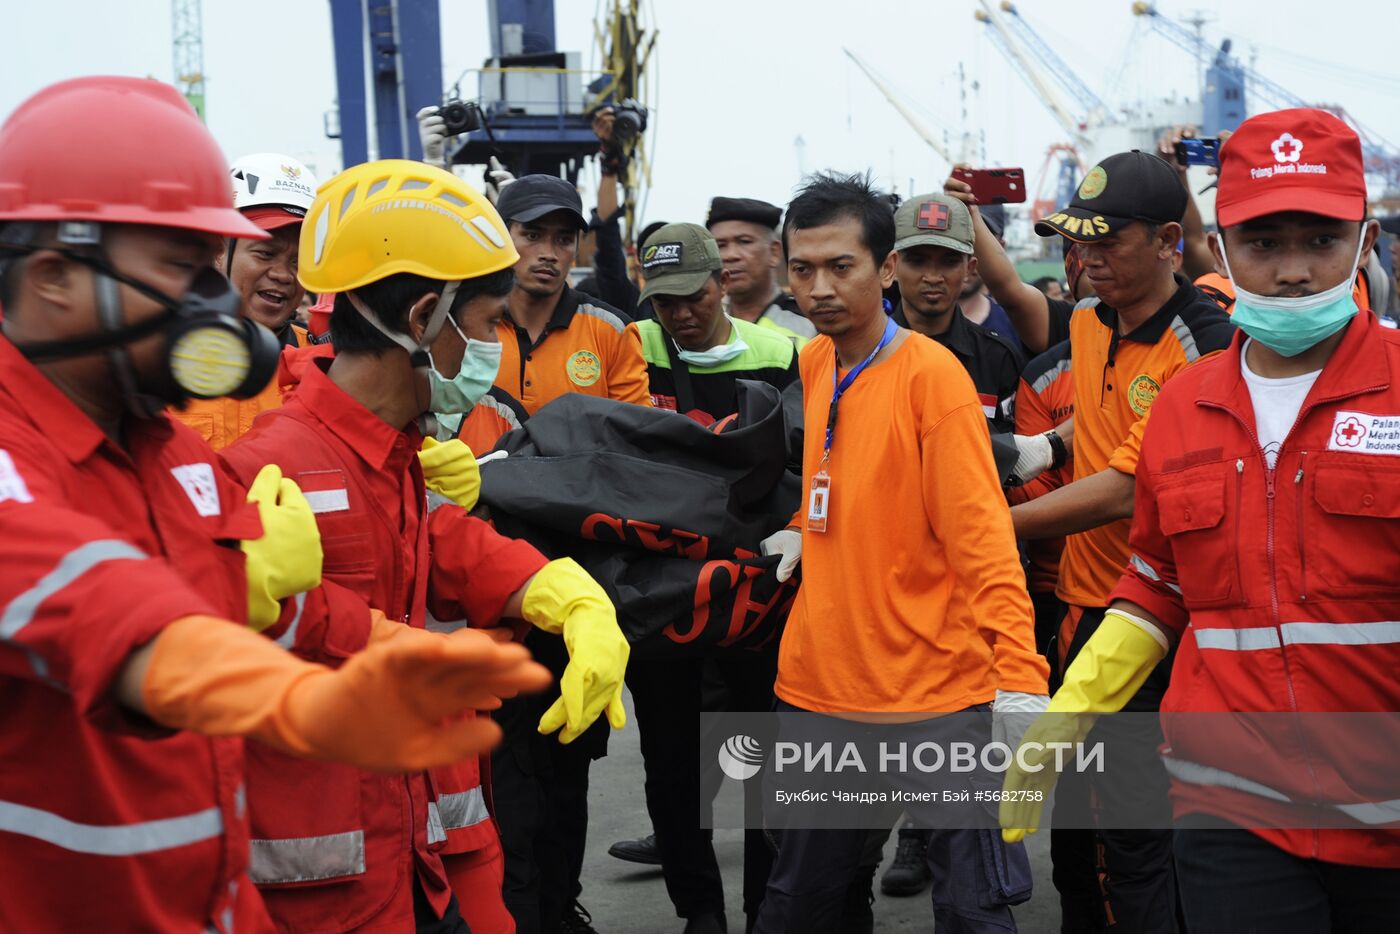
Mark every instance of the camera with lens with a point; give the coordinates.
(459, 116)
(629, 121)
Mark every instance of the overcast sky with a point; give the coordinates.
(739, 80)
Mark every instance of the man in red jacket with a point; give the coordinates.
(1265, 547)
(133, 568)
(414, 331)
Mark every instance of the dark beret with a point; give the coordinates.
(744, 209)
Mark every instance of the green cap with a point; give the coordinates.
(935, 220)
(677, 259)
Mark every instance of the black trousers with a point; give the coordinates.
(540, 790)
(426, 921)
(680, 783)
(1140, 877)
(1233, 882)
(812, 875)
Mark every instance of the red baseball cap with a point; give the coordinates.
(273, 217)
(1291, 160)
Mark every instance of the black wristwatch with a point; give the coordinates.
(1059, 454)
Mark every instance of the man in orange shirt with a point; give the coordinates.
(908, 475)
(556, 339)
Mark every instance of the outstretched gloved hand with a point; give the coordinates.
(286, 561)
(561, 597)
(396, 706)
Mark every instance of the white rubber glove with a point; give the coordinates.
(432, 133)
(1012, 713)
(1036, 457)
(787, 543)
(498, 178)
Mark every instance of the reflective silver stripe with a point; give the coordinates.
(1266, 637)
(20, 611)
(115, 839)
(500, 408)
(1372, 812)
(1044, 380)
(1237, 640)
(603, 315)
(1196, 774)
(1149, 572)
(1380, 633)
(289, 638)
(462, 809)
(436, 832)
(1367, 812)
(305, 859)
(1187, 339)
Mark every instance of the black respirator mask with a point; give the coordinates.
(211, 350)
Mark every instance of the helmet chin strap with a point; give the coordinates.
(417, 352)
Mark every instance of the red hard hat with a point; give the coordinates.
(117, 151)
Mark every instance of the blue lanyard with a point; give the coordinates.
(838, 390)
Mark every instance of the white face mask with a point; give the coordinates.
(714, 356)
(1291, 325)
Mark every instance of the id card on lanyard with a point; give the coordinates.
(819, 498)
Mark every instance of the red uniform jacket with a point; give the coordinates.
(105, 820)
(336, 848)
(1284, 586)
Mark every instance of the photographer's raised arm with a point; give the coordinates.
(1027, 305)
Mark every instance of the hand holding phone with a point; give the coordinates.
(995, 186)
(1204, 151)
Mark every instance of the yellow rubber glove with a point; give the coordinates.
(563, 598)
(395, 706)
(286, 561)
(1108, 671)
(450, 470)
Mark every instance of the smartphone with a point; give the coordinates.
(1204, 151)
(995, 186)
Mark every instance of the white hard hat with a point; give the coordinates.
(272, 180)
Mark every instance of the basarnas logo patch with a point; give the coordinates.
(661, 254)
(741, 757)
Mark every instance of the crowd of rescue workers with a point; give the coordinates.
(270, 661)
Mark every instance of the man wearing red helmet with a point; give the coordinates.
(1264, 548)
(133, 569)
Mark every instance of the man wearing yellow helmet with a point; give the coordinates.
(421, 267)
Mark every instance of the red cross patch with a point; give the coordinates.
(933, 215)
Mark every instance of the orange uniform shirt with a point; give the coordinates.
(1044, 400)
(913, 600)
(587, 347)
(1116, 378)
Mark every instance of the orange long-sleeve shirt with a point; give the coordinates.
(913, 600)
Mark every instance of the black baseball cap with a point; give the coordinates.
(532, 197)
(1126, 187)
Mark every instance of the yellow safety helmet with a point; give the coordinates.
(381, 218)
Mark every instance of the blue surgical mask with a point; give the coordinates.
(715, 355)
(457, 396)
(1289, 326)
